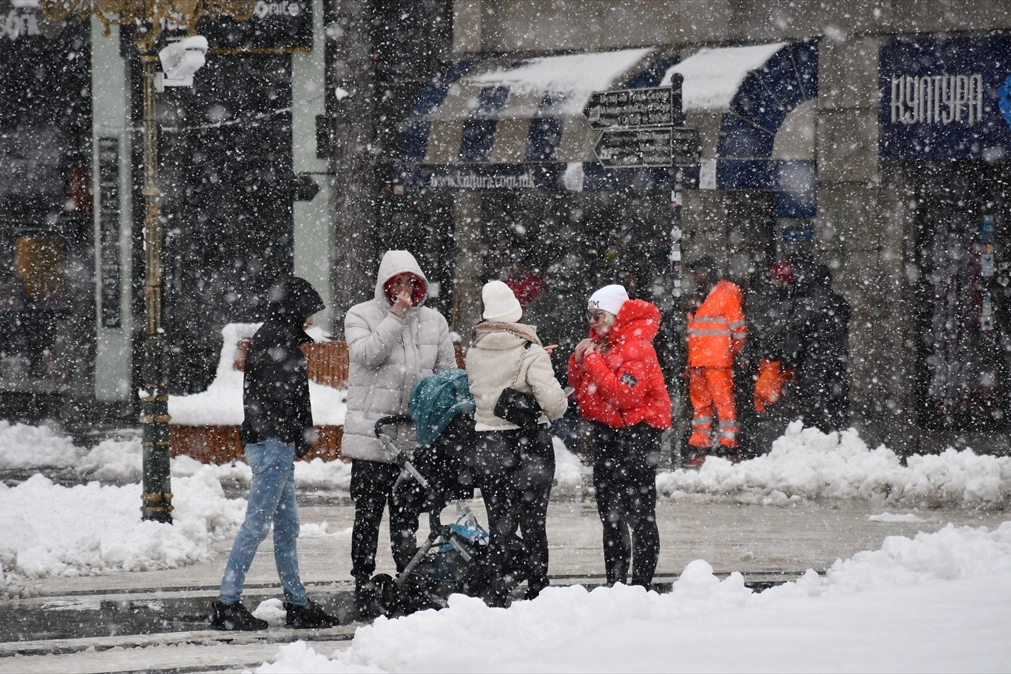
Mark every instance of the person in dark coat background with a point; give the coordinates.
(771, 347)
(560, 319)
(821, 387)
(277, 427)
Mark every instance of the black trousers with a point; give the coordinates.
(372, 490)
(515, 471)
(624, 477)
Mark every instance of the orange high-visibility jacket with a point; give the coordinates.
(716, 332)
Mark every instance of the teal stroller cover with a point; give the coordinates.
(436, 400)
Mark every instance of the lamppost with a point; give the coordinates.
(150, 17)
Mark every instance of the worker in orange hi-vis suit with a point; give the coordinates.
(716, 333)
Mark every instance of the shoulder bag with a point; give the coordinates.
(518, 408)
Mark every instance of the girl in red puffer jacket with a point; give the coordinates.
(620, 389)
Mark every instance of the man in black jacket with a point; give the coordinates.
(822, 326)
(277, 428)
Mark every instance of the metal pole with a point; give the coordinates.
(156, 501)
(678, 346)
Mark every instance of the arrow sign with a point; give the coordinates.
(629, 148)
(658, 146)
(631, 108)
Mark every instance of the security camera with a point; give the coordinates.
(180, 60)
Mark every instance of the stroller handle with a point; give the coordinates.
(388, 421)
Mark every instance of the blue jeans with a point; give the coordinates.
(271, 499)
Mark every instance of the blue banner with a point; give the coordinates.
(945, 98)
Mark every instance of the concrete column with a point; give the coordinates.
(468, 269)
(110, 99)
(355, 259)
(313, 220)
(467, 26)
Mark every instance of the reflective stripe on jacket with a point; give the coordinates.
(716, 332)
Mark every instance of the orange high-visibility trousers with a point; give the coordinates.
(711, 389)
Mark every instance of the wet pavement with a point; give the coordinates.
(156, 620)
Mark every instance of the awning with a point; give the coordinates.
(507, 123)
(755, 110)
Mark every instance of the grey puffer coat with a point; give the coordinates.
(388, 355)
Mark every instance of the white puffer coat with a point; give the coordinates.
(388, 355)
(499, 352)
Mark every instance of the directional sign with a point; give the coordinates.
(632, 108)
(685, 149)
(628, 148)
(658, 146)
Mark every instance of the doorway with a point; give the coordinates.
(964, 304)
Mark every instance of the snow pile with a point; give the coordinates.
(221, 403)
(894, 602)
(49, 530)
(806, 463)
(570, 471)
(24, 446)
(945, 555)
(114, 461)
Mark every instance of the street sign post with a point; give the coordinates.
(645, 128)
(685, 148)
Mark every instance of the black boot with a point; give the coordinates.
(368, 598)
(234, 617)
(308, 616)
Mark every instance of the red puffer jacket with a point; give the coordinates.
(622, 384)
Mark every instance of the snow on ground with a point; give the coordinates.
(23, 446)
(938, 602)
(807, 464)
(36, 542)
(52, 530)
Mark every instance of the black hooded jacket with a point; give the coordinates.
(275, 386)
(822, 321)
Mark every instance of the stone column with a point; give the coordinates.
(110, 95)
(469, 268)
(313, 220)
(354, 195)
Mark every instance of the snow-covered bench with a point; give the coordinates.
(205, 425)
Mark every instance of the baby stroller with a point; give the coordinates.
(440, 471)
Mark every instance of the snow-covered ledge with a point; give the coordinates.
(221, 403)
(205, 425)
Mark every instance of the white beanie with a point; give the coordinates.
(609, 298)
(499, 303)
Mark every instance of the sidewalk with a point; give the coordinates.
(154, 620)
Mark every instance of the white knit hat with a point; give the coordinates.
(609, 298)
(499, 303)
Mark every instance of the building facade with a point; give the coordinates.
(246, 190)
(868, 136)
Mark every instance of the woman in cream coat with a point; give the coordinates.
(514, 467)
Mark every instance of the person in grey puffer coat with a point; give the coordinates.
(393, 341)
(514, 466)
